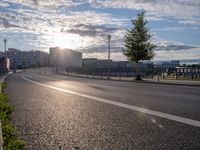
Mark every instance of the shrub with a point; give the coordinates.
(10, 134)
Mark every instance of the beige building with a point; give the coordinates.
(42, 58)
(64, 58)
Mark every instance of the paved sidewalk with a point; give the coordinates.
(175, 82)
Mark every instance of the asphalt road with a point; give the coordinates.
(54, 111)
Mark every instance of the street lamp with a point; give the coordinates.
(5, 42)
(109, 37)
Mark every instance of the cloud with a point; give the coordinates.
(91, 30)
(157, 9)
(177, 55)
(7, 24)
(190, 21)
(170, 29)
(47, 4)
(174, 47)
(36, 2)
(39, 21)
(44, 18)
(100, 43)
(164, 7)
(117, 56)
(4, 5)
(172, 50)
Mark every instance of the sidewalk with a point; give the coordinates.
(173, 82)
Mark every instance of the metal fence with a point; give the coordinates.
(181, 73)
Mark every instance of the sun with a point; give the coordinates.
(65, 40)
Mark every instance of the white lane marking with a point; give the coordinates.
(131, 107)
(40, 76)
(54, 79)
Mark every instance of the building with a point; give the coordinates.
(141, 65)
(42, 58)
(89, 62)
(64, 58)
(4, 65)
(93, 63)
(23, 59)
(167, 64)
(2, 54)
(104, 63)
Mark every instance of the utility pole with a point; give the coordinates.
(109, 37)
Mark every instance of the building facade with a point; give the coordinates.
(42, 58)
(115, 65)
(64, 58)
(24, 59)
(4, 65)
(167, 64)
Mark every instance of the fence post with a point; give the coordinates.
(158, 77)
(192, 70)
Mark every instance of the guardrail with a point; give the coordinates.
(152, 73)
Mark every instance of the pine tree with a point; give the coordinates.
(138, 46)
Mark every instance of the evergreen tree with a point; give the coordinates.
(138, 46)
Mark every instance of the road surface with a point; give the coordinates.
(58, 112)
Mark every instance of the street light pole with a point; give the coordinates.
(109, 37)
(5, 42)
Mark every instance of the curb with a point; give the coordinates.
(1, 135)
(165, 83)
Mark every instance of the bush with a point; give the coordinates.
(11, 142)
(10, 134)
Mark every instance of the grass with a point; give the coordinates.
(10, 134)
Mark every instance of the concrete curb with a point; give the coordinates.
(2, 79)
(167, 83)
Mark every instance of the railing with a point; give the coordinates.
(156, 73)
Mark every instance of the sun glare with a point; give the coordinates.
(64, 40)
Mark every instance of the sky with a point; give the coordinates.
(83, 25)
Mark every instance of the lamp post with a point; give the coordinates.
(5, 42)
(109, 37)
